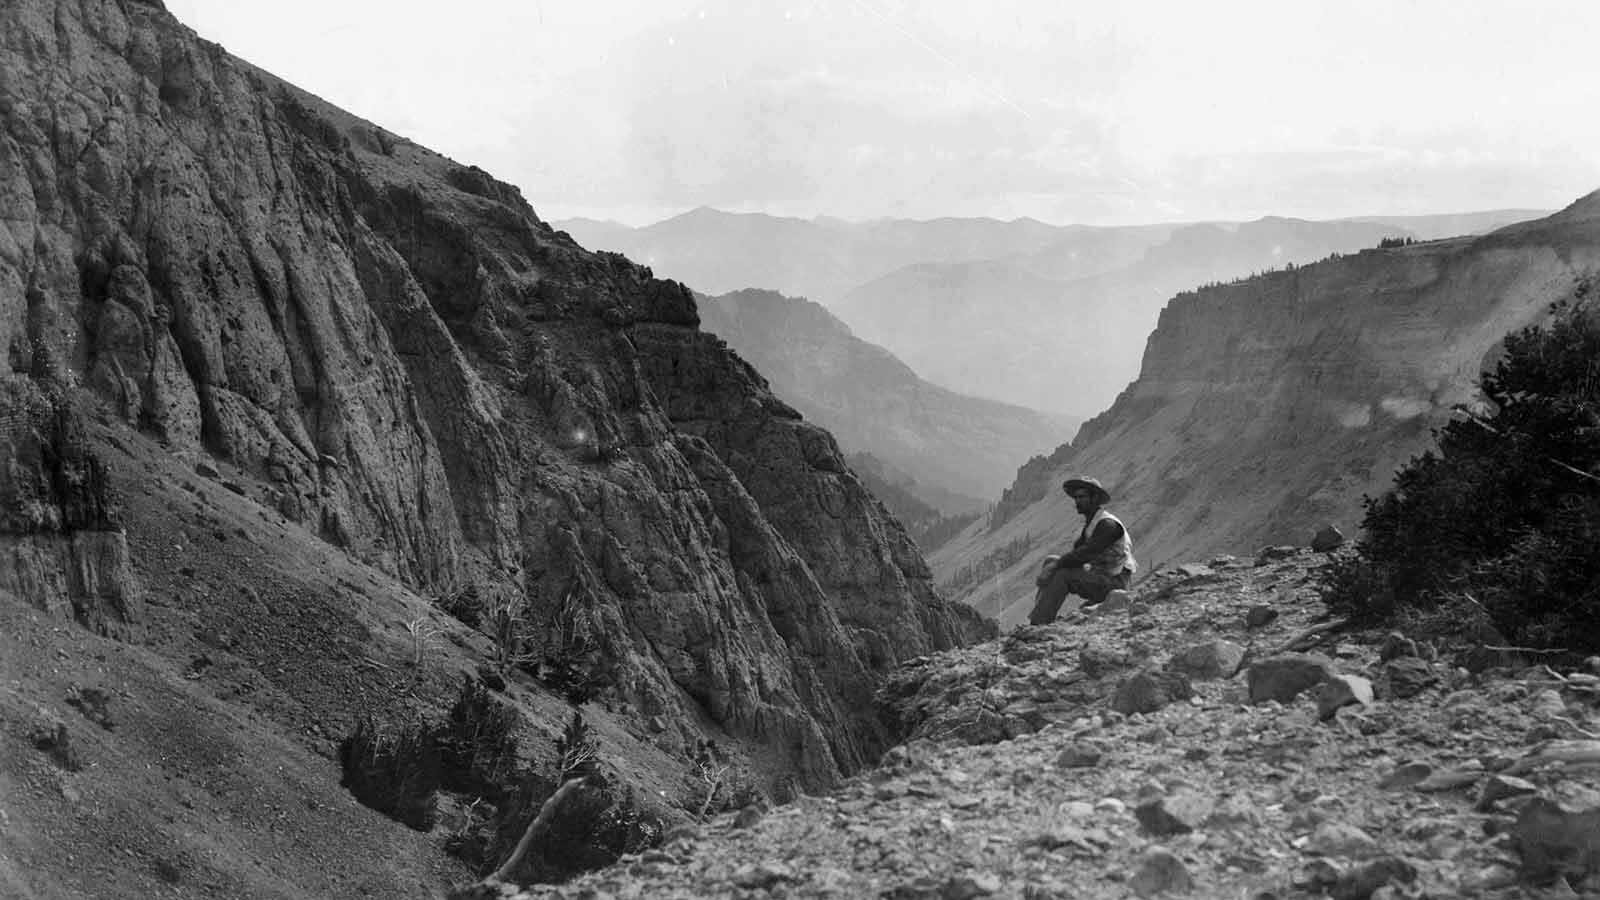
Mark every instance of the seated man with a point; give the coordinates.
(1101, 559)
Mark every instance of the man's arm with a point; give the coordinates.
(1105, 534)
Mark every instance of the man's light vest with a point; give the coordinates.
(1118, 556)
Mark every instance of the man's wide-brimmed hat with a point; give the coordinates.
(1092, 485)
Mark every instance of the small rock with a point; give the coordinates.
(1148, 691)
(1407, 775)
(1079, 755)
(1179, 811)
(1547, 702)
(1339, 839)
(897, 759)
(1327, 539)
(1408, 676)
(1195, 570)
(764, 875)
(1361, 883)
(1213, 659)
(749, 816)
(1235, 811)
(1161, 872)
(1096, 662)
(1318, 876)
(968, 887)
(1502, 787)
(1111, 806)
(55, 742)
(890, 790)
(1260, 616)
(1116, 601)
(1448, 780)
(1341, 691)
(1269, 554)
(205, 469)
(1282, 678)
(1396, 645)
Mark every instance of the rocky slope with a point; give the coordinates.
(1177, 747)
(872, 402)
(391, 351)
(1267, 407)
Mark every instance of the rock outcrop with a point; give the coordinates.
(62, 548)
(392, 349)
(1267, 407)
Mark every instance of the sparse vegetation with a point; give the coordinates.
(1497, 527)
(477, 741)
(991, 563)
(929, 527)
(507, 622)
(462, 602)
(713, 769)
(400, 773)
(1390, 243)
(575, 750)
(424, 637)
(397, 773)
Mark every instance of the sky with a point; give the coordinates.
(1100, 113)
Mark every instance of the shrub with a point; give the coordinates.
(1501, 520)
(595, 826)
(598, 824)
(477, 741)
(575, 750)
(464, 604)
(396, 774)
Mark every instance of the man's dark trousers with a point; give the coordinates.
(1091, 586)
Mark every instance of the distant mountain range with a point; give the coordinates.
(1043, 316)
(960, 451)
(1271, 405)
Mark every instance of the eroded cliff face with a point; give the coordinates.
(398, 353)
(1269, 406)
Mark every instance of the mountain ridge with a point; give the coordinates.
(873, 402)
(1268, 406)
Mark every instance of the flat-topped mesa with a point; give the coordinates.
(396, 352)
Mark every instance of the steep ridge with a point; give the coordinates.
(872, 402)
(1268, 406)
(1004, 329)
(393, 351)
(821, 259)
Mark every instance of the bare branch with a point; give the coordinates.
(539, 824)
